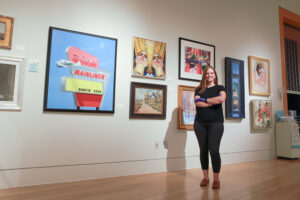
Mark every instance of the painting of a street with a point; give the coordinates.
(148, 101)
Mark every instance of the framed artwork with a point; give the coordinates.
(148, 101)
(6, 31)
(259, 76)
(262, 114)
(149, 59)
(194, 57)
(234, 84)
(81, 72)
(186, 111)
(11, 83)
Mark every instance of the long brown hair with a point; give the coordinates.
(202, 85)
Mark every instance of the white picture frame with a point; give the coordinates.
(11, 82)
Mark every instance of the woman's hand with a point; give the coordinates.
(202, 102)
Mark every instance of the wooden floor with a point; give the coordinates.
(270, 179)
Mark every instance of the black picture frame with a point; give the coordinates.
(235, 88)
(148, 101)
(194, 56)
(80, 72)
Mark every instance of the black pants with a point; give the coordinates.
(209, 137)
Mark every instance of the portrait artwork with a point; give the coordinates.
(149, 59)
(259, 71)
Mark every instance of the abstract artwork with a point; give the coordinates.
(194, 57)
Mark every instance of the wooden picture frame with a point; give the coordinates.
(235, 89)
(148, 101)
(149, 59)
(194, 56)
(259, 76)
(262, 114)
(6, 31)
(186, 110)
(80, 73)
(12, 73)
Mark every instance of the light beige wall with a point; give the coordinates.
(291, 5)
(42, 147)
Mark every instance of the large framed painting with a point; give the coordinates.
(261, 114)
(186, 111)
(148, 101)
(11, 82)
(149, 59)
(194, 57)
(234, 83)
(259, 76)
(6, 31)
(81, 72)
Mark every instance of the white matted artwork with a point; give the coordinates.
(11, 83)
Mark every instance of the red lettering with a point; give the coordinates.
(76, 72)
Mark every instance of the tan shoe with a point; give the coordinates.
(204, 182)
(216, 185)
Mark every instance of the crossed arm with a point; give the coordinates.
(210, 101)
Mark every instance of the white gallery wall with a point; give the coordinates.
(39, 147)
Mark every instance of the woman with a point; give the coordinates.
(208, 124)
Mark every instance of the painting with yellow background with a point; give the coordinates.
(149, 59)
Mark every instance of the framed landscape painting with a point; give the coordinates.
(262, 114)
(148, 101)
(12, 74)
(186, 111)
(194, 57)
(234, 79)
(81, 72)
(259, 76)
(149, 59)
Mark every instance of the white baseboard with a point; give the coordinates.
(45, 175)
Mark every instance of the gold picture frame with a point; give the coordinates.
(186, 110)
(259, 76)
(6, 31)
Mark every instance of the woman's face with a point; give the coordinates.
(157, 61)
(210, 75)
(142, 58)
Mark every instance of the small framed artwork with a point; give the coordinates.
(81, 72)
(149, 59)
(186, 111)
(194, 57)
(259, 76)
(234, 82)
(262, 114)
(148, 101)
(6, 31)
(11, 83)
